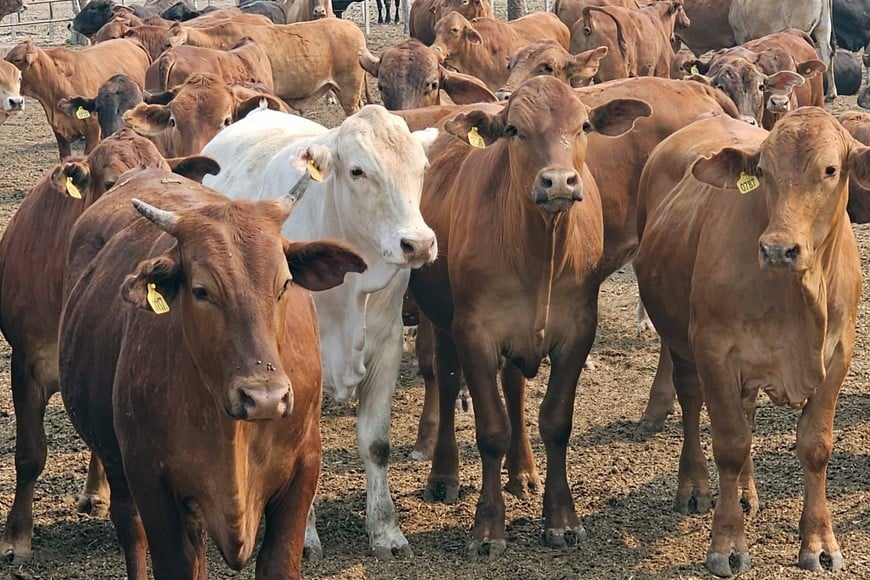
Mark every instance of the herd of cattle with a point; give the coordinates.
(532, 158)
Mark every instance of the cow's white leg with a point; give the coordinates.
(644, 324)
(313, 549)
(373, 433)
(821, 34)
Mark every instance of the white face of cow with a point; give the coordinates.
(378, 166)
(11, 101)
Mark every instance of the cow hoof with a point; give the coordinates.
(93, 505)
(645, 326)
(646, 429)
(726, 565)
(696, 502)
(16, 556)
(749, 503)
(561, 539)
(475, 549)
(524, 485)
(441, 491)
(463, 401)
(312, 553)
(386, 553)
(418, 455)
(821, 561)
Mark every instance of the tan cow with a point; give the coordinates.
(308, 59)
(11, 101)
(247, 62)
(204, 309)
(640, 40)
(306, 10)
(483, 48)
(570, 11)
(32, 255)
(775, 311)
(425, 13)
(539, 258)
(56, 73)
(550, 59)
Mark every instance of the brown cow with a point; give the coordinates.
(53, 74)
(710, 29)
(570, 11)
(186, 117)
(640, 40)
(774, 311)
(247, 62)
(11, 101)
(483, 48)
(410, 76)
(208, 347)
(857, 123)
(540, 259)
(308, 59)
(425, 13)
(550, 59)
(306, 10)
(32, 255)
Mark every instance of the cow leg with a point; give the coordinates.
(313, 549)
(661, 397)
(128, 525)
(746, 487)
(821, 34)
(397, 12)
(693, 486)
(381, 11)
(350, 100)
(29, 399)
(522, 474)
(63, 146)
(94, 499)
(814, 446)
(443, 480)
(562, 525)
(373, 433)
(428, 427)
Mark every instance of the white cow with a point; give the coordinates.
(372, 168)
(756, 18)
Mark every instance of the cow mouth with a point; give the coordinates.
(556, 204)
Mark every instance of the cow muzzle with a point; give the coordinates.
(13, 104)
(502, 94)
(259, 399)
(319, 13)
(775, 252)
(417, 247)
(778, 104)
(557, 190)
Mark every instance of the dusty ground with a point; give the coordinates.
(623, 488)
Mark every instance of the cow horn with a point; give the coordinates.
(165, 220)
(295, 194)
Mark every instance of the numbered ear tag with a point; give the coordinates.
(694, 70)
(72, 190)
(82, 113)
(156, 300)
(313, 171)
(475, 140)
(747, 183)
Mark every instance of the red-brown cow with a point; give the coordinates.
(425, 13)
(32, 254)
(775, 311)
(539, 258)
(208, 348)
(550, 59)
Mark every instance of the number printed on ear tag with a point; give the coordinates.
(156, 300)
(82, 114)
(475, 140)
(72, 190)
(747, 183)
(313, 171)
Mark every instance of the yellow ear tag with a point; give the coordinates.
(694, 70)
(313, 171)
(156, 300)
(747, 183)
(475, 140)
(82, 114)
(72, 190)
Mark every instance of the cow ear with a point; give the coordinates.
(465, 126)
(370, 63)
(584, 66)
(425, 137)
(465, 89)
(617, 116)
(703, 79)
(784, 81)
(73, 104)
(321, 265)
(161, 98)
(723, 168)
(148, 120)
(71, 178)
(175, 36)
(316, 159)
(859, 164)
(696, 67)
(260, 101)
(472, 36)
(811, 68)
(194, 167)
(164, 272)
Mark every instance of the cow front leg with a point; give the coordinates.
(396, 21)
(814, 446)
(443, 481)
(373, 433)
(94, 499)
(661, 397)
(312, 548)
(128, 525)
(523, 476)
(693, 482)
(381, 11)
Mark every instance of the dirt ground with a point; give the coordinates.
(623, 487)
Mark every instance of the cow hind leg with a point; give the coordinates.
(661, 398)
(693, 487)
(381, 11)
(523, 476)
(427, 429)
(94, 499)
(312, 549)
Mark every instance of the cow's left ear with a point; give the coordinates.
(582, 67)
(426, 137)
(859, 164)
(472, 36)
(723, 168)
(617, 116)
(811, 68)
(71, 178)
(245, 106)
(321, 265)
(465, 89)
(465, 126)
(783, 81)
(161, 98)
(316, 160)
(194, 167)
(148, 120)
(164, 272)
(71, 105)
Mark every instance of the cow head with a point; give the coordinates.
(454, 35)
(23, 55)
(192, 113)
(231, 277)
(374, 167)
(410, 77)
(470, 9)
(92, 17)
(802, 168)
(319, 9)
(116, 96)
(550, 59)
(544, 128)
(11, 101)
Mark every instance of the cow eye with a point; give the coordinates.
(433, 86)
(172, 122)
(830, 171)
(200, 293)
(227, 122)
(761, 87)
(357, 173)
(108, 184)
(511, 131)
(547, 69)
(284, 288)
(587, 127)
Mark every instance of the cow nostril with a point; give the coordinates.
(546, 182)
(245, 399)
(407, 247)
(791, 254)
(572, 180)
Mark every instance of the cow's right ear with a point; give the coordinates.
(584, 66)
(148, 120)
(316, 159)
(859, 164)
(71, 178)
(696, 67)
(465, 89)
(161, 98)
(73, 104)
(465, 126)
(321, 265)
(194, 167)
(472, 36)
(723, 168)
(164, 272)
(370, 63)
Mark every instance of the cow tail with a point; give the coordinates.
(620, 37)
(165, 68)
(368, 92)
